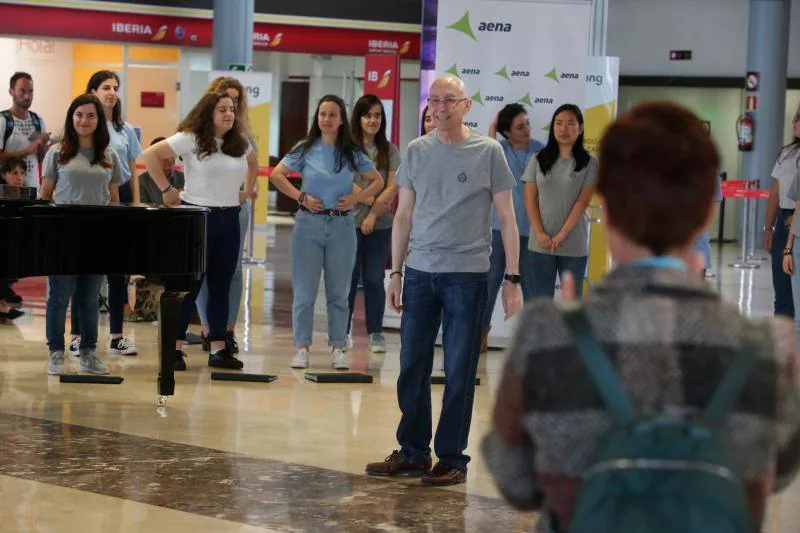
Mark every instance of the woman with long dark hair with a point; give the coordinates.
(559, 184)
(215, 152)
(781, 213)
(122, 138)
(237, 92)
(82, 169)
(791, 251)
(373, 218)
(426, 124)
(324, 236)
(514, 126)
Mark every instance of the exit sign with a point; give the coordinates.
(680, 55)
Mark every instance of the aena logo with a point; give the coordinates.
(493, 98)
(495, 26)
(570, 76)
(520, 74)
(543, 101)
(473, 71)
(464, 26)
(555, 76)
(470, 124)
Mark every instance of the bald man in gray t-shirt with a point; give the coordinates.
(448, 183)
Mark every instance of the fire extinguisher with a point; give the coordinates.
(744, 132)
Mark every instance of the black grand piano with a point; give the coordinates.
(164, 244)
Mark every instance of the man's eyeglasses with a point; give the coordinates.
(448, 101)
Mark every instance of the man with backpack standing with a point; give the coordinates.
(23, 132)
(633, 412)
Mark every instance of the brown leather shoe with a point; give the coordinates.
(395, 465)
(441, 476)
(485, 340)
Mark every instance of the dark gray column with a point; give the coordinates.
(233, 33)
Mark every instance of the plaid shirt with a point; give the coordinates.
(671, 339)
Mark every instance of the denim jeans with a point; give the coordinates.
(322, 245)
(237, 283)
(781, 282)
(457, 301)
(117, 298)
(87, 291)
(545, 267)
(497, 269)
(372, 253)
(222, 249)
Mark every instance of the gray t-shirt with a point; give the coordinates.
(454, 186)
(559, 189)
(78, 181)
(360, 211)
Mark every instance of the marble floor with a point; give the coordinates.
(244, 457)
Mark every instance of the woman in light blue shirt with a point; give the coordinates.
(513, 124)
(105, 86)
(324, 237)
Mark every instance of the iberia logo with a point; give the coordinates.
(160, 34)
(264, 39)
(387, 76)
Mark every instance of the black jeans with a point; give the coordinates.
(222, 254)
(781, 282)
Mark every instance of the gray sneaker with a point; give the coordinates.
(377, 344)
(56, 365)
(91, 364)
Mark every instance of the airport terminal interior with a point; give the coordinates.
(289, 455)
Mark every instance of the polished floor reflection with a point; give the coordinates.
(243, 457)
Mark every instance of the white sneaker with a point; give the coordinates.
(377, 344)
(340, 361)
(55, 367)
(122, 346)
(300, 359)
(91, 364)
(75, 347)
(350, 341)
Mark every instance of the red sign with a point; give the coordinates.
(152, 99)
(82, 24)
(751, 102)
(382, 78)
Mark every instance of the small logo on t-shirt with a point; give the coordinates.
(462, 177)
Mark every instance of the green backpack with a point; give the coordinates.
(660, 474)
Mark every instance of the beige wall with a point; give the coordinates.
(155, 122)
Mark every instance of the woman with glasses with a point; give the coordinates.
(560, 182)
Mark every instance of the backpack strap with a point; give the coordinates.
(9, 120)
(733, 381)
(37, 122)
(600, 367)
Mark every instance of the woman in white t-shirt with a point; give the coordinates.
(215, 161)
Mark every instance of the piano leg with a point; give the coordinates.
(170, 311)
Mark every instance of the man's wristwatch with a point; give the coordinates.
(512, 278)
(165, 191)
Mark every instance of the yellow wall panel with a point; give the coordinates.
(154, 54)
(97, 53)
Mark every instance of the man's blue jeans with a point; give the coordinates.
(457, 301)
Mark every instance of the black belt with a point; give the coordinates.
(784, 211)
(213, 208)
(327, 212)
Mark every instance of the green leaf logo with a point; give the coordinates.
(503, 73)
(453, 70)
(546, 127)
(463, 25)
(526, 100)
(553, 75)
(477, 97)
